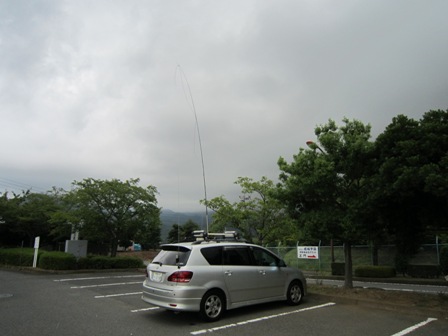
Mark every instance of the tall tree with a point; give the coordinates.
(113, 211)
(259, 215)
(325, 187)
(411, 179)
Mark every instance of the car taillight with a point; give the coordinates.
(181, 276)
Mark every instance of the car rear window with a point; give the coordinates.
(172, 255)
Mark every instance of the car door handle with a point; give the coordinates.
(262, 272)
(228, 273)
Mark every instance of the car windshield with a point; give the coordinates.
(172, 255)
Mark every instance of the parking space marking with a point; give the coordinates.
(101, 278)
(144, 309)
(260, 319)
(115, 295)
(107, 285)
(415, 327)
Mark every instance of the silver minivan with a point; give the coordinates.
(211, 276)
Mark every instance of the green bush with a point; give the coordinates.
(127, 262)
(401, 264)
(375, 271)
(17, 256)
(337, 268)
(423, 271)
(95, 262)
(101, 262)
(57, 261)
(65, 261)
(444, 260)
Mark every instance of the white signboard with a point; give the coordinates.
(308, 252)
(36, 249)
(36, 242)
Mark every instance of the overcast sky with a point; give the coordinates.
(94, 88)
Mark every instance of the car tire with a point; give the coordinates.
(295, 293)
(212, 306)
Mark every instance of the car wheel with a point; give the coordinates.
(212, 306)
(294, 294)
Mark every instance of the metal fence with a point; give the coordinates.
(428, 254)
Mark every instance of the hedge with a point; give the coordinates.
(65, 261)
(17, 256)
(101, 262)
(57, 261)
(375, 271)
(423, 271)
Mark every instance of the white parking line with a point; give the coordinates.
(233, 325)
(107, 285)
(414, 327)
(100, 278)
(144, 309)
(115, 295)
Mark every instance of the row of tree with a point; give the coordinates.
(346, 187)
(106, 213)
(343, 186)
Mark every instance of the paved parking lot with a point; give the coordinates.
(109, 304)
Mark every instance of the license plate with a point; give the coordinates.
(156, 276)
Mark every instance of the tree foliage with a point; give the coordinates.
(179, 233)
(26, 216)
(259, 215)
(110, 211)
(411, 179)
(325, 187)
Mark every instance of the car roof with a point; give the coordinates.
(198, 244)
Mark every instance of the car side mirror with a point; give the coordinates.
(281, 263)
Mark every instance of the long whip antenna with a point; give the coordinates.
(190, 101)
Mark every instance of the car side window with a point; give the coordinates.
(264, 258)
(237, 256)
(213, 255)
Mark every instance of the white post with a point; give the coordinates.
(36, 250)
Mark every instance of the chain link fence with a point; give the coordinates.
(428, 254)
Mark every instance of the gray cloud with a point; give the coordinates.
(92, 89)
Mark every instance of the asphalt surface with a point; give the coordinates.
(108, 303)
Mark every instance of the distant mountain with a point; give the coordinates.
(169, 218)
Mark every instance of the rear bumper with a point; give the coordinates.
(178, 298)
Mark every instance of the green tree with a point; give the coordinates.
(325, 188)
(111, 211)
(30, 215)
(411, 180)
(259, 215)
(179, 233)
(8, 220)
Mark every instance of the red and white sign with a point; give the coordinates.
(308, 252)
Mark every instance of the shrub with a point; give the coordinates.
(57, 261)
(127, 262)
(375, 271)
(423, 271)
(17, 256)
(337, 268)
(101, 262)
(401, 264)
(95, 262)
